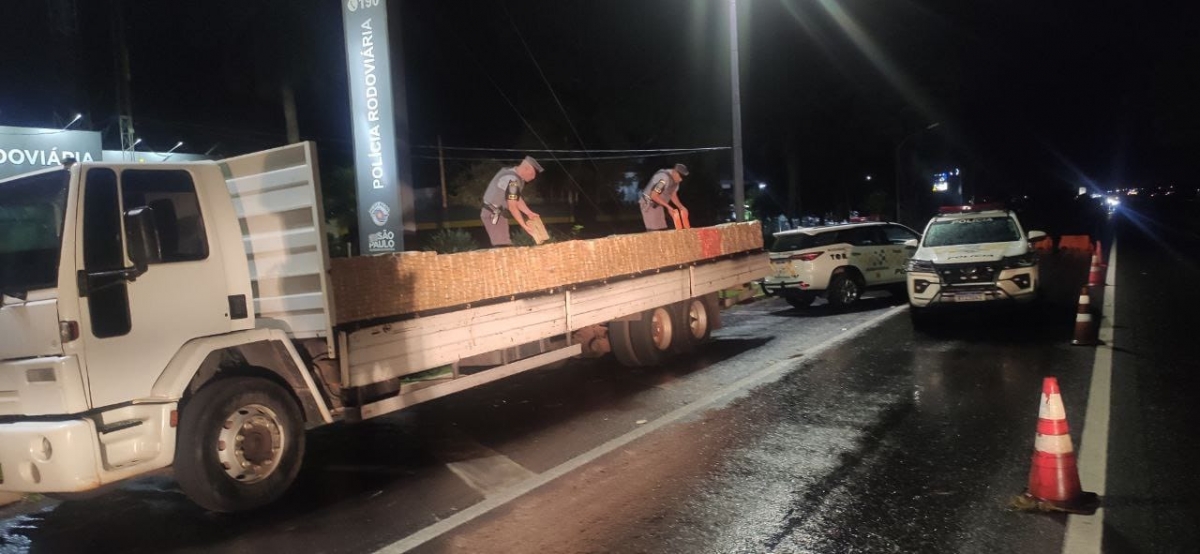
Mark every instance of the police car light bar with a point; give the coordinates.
(970, 208)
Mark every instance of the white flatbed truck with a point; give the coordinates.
(179, 316)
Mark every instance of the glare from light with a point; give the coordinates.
(762, 186)
(871, 50)
(78, 116)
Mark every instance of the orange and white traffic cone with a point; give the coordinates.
(1096, 274)
(1053, 474)
(1085, 326)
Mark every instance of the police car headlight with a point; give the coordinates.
(919, 266)
(1024, 260)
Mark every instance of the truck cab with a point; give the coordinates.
(109, 270)
(127, 289)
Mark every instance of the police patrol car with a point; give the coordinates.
(838, 262)
(972, 254)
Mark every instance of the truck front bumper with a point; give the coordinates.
(49, 456)
(77, 455)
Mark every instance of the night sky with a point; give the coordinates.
(1030, 96)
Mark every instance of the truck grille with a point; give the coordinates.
(966, 274)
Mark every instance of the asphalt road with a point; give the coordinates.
(793, 431)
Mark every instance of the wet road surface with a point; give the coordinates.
(1153, 493)
(769, 439)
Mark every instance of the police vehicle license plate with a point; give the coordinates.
(970, 297)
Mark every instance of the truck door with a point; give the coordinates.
(132, 325)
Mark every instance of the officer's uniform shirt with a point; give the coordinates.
(663, 184)
(653, 215)
(505, 186)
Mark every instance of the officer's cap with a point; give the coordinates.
(681, 169)
(533, 163)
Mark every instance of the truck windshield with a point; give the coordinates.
(31, 225)
(975, 230)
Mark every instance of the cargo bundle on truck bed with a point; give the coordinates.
(365, 287)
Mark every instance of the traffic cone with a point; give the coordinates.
(1053, 474)
(1096, 274)
(1085, 329)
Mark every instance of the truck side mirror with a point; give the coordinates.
(142, 238)
(1035, 236)
(910, 243)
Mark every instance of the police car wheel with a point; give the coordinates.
(843, 291)
(920, 317)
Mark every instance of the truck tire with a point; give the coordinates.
(713, 303)
(622, 346)
(844, 291)
(652, 335)
(691, 325)
(240, 444)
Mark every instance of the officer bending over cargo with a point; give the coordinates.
(659, 194)
(504, 191)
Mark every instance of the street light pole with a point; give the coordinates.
(78, 116)
(900, 147)
(168, 153)
(739, 187)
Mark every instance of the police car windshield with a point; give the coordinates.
(974, 230)
(31, 223)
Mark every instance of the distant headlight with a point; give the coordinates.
(919, 266)
(1024, 260)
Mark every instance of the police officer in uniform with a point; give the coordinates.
(504, 192)
(661, 191)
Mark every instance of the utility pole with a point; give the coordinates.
(124, 102)
(442, 171)
(900, 173)
(739, 187)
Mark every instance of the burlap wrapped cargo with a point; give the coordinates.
(380, 287)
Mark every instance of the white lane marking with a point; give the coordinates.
(742, 386)
(480, 467)
(490, 474)
(1085, 534)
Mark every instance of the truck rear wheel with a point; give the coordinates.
(240, 444)
(692, 325)
(652, 335)
(622, 346)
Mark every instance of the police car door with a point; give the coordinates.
(870, 254)
(898, 253)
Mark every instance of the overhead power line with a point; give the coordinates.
(558, 158)
(577, 151)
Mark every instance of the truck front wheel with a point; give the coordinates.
(240, 444)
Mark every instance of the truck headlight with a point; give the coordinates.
(919, 266)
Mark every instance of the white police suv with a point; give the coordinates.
(970, 255)
(838, 262)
